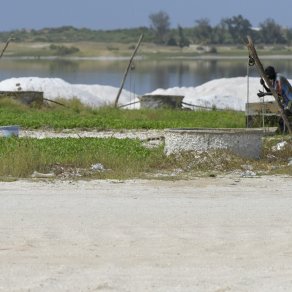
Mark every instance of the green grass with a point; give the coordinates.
(125, 48)
(20, 157)
(73, 158)
(76, 115)
(122, 158)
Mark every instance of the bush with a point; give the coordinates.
(213, 50)
(63, 50)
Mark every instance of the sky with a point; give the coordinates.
(114, 14)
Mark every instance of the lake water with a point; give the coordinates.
(146, 77)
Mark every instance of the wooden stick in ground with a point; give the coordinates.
(5, 47)
(56, 102)
(254, 55)
(127, 70)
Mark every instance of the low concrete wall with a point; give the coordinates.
(243, 142)
(27, 97)
(161, 101)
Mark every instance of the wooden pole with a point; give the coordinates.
(254, 55)
(127, 70)
(5, 47)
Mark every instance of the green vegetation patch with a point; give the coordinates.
(76, 115)
(121, 158)
(129, 158)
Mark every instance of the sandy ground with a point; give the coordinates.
(207, 234)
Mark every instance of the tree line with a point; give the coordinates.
(230, 31)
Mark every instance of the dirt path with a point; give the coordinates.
(208, 234)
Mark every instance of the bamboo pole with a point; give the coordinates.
(261, 71)
(127, 70)
(5, 47)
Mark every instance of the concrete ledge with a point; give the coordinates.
(243, 142)
(26, 97)
(155, 101)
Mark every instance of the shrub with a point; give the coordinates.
(63, 50)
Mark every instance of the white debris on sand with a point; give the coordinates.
(221, 93)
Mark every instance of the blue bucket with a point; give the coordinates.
(9, 131)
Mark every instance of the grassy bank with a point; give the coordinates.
(121, 158)
(76, 115)
(128, 159)
(147, 50)
(74, 157)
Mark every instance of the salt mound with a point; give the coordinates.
(224, 93)
(54, 88)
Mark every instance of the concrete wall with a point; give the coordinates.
(244, 142)
(26, 97)
(161, 101)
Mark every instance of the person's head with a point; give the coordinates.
(270, 72)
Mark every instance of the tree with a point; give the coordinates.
(271, 32)
(219, 34)
(160, 24)
(288, 35)
(237, 27)
(202, 31)
(182, 41)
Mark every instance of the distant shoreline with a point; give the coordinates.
(125, 58)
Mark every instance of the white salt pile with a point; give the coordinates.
(222, 93)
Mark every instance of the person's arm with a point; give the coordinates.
(261, 93)
(268, 91)
(262, 81)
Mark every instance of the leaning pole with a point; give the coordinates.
(127, 70)
(254, 55)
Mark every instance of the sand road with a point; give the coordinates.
(206, 234)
